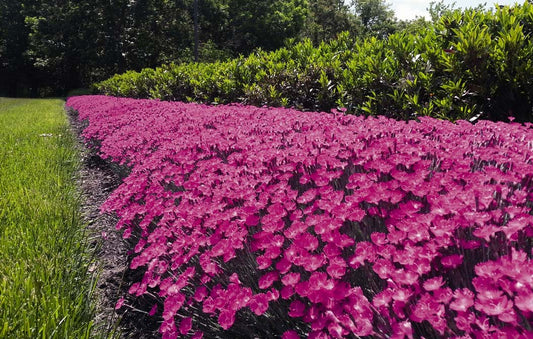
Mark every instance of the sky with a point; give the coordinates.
(409, 9)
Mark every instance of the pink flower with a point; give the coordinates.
(382, 299)
(524, 302)
(172, 304)
(356, 214)
(418, 235)
(226, 318)
(402, 329)
(383, 268)
(421, 266)
(486, 232)
(339, 239)
(283, 266)
(263, 262)
(313, 262)
(364, 328)
(291, 279)
(469, 244)
(252, 220)
(140, 245)
(168, 329)
(494, 306)
(306, 241)
(427, 309)
(318, 280)
(307, 196)
(404, 277)
(197, 335)
(119, 303)
(335, 330)
(336, 268)
(488, 269)
(273, 294)
(185, 325)
(277, 210)
(516, 225)
(296, 228)
(272, 224)
(398, 307)
(443, 295)
(402, 294)
(433, 284)
(290, 335)
(452, 261)
(318, 335)
(297, 309)
(331, 250)
(379, 238)
(396, 236)
(209, 305)
(484, 324)
(259, 303)
(268, 279)
(364, 251)
(508, 316)
(464, 320)
(287, 292)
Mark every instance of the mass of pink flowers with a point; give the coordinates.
(321, 225)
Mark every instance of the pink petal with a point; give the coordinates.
(185, 325)
(119, 303)
(297, 309)
(290, 335)
(226, 318)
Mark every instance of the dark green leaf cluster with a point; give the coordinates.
(48, 47)
(466, 65)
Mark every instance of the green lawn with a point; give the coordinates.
(45, 289)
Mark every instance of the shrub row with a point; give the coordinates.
(270, 222)
(467, 65)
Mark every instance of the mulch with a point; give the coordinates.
(97, 179)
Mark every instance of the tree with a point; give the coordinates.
(61, 42)
(437, 9)
(262, 24)
(375, 16)
(326, 19)
(157, 32)
(13, 44)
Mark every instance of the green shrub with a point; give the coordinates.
(468, 65)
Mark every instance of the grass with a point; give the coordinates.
(45, 287)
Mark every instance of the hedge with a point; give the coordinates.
(469, 64)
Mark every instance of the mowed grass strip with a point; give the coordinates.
(45, 288)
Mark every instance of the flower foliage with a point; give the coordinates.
(331, 225)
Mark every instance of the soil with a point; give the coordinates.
(97, 179)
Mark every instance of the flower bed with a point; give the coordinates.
(278, 223)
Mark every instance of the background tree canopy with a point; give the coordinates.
(48, 47)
